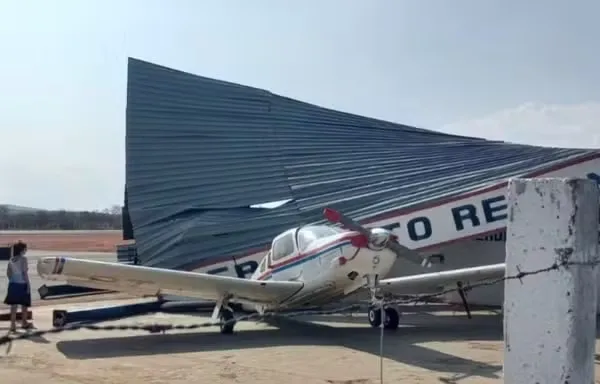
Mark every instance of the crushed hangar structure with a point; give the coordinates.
(202, 155)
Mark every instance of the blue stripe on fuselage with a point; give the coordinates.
(305, 259)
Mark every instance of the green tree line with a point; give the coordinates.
(60, 219)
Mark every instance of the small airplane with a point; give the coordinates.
(306, 267)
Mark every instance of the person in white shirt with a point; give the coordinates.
(19, 289)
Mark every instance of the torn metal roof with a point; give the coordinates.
(201, 152)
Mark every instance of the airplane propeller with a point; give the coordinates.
(336, 217)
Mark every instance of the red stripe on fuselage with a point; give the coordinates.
(300, 256)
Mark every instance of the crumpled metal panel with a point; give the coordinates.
(200, 152)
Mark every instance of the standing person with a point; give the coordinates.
(19, 289)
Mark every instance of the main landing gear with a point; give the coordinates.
(227, 321)
(391, 317)
(224, 314)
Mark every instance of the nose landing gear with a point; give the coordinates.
(391, 317)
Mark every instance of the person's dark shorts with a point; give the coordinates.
(18, 294)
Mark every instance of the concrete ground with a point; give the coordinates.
(36, 282)
(432, 348)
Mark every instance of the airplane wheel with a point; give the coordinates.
(60, 319)
(392, 319)
(374, 315)
(227, 315)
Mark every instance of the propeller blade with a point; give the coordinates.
(408, 254)
(339, 218)
(332, 215)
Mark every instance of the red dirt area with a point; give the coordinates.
(99, 241)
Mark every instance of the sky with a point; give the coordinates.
(521, 71)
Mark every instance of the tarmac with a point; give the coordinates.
(428, 348)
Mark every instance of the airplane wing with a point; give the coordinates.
(139, 280)
(428, 283)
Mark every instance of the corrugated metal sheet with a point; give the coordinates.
(200, 152)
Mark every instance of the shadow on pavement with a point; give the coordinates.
(400, 345)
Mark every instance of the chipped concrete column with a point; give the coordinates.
(550, 317)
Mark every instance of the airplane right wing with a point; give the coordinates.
(434, 282)
(139, 280)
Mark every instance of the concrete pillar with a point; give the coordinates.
(550, 317)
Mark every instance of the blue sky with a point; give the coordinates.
(524, 71)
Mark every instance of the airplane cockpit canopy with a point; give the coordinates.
(306, 235)
(294, 241)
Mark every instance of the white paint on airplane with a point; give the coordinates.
(306, 266)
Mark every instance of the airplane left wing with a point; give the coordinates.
(139, 280)
(429, 283)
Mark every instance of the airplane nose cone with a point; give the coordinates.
(379, 238)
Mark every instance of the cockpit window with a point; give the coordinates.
(283, 246)
(307, 235)
(263, 264)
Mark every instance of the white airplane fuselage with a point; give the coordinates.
(330, 269)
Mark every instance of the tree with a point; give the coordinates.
(110, 218)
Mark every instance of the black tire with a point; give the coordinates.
(60, 320)
(374, 316)
(392, 319)
(227, 316)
